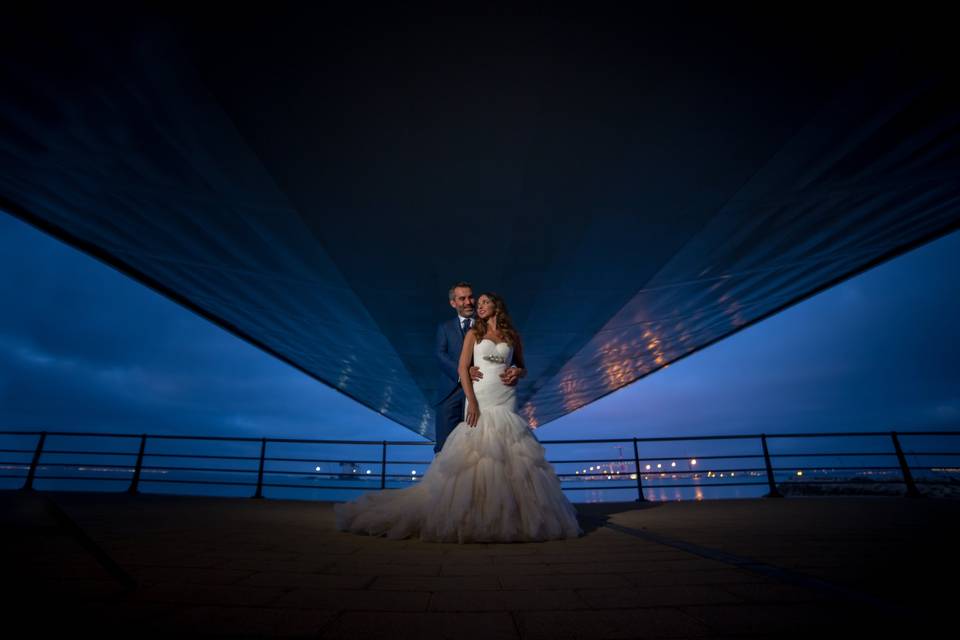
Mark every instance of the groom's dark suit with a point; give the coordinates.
(450, 401)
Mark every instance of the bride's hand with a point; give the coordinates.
(473, 413)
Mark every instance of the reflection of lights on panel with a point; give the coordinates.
(528, 412)
(572, 390)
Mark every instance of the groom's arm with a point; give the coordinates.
(448, 361)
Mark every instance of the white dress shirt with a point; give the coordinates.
(460, 319)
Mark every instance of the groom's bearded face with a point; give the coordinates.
(463, 301)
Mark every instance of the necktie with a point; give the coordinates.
(464, 326)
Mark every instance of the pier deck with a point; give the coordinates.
(824, 566)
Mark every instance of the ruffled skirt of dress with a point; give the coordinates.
(489, 483)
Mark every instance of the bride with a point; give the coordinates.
(491, 482)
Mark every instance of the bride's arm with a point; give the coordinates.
(466, 357)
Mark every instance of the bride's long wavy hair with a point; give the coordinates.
(504, 323)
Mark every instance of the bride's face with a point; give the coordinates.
(485, 308)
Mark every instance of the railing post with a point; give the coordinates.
(383, 466)
(636, 465)
(912, 491)
(28, 485)
(766, 458)
(135, 483)
(263, 455)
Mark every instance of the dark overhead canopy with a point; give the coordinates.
(636, 187)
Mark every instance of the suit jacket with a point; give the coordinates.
(448, 345)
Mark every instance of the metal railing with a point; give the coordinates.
(635, 478)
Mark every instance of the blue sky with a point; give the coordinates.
(83, 347)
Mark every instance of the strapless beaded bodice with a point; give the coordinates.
(493, 358)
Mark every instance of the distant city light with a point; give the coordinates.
(318, 468)
(368, 470)
(694, 461)
(414, 472)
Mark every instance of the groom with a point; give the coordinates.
(450, 399)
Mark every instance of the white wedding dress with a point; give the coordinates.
(489, 483)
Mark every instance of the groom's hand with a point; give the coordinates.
(475, 373)
(510, 376)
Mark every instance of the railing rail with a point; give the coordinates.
(40, 461)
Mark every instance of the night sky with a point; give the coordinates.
(83, 347)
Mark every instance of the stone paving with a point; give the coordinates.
(793, 567)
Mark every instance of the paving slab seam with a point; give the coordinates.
(768, 570)
(516, 623)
